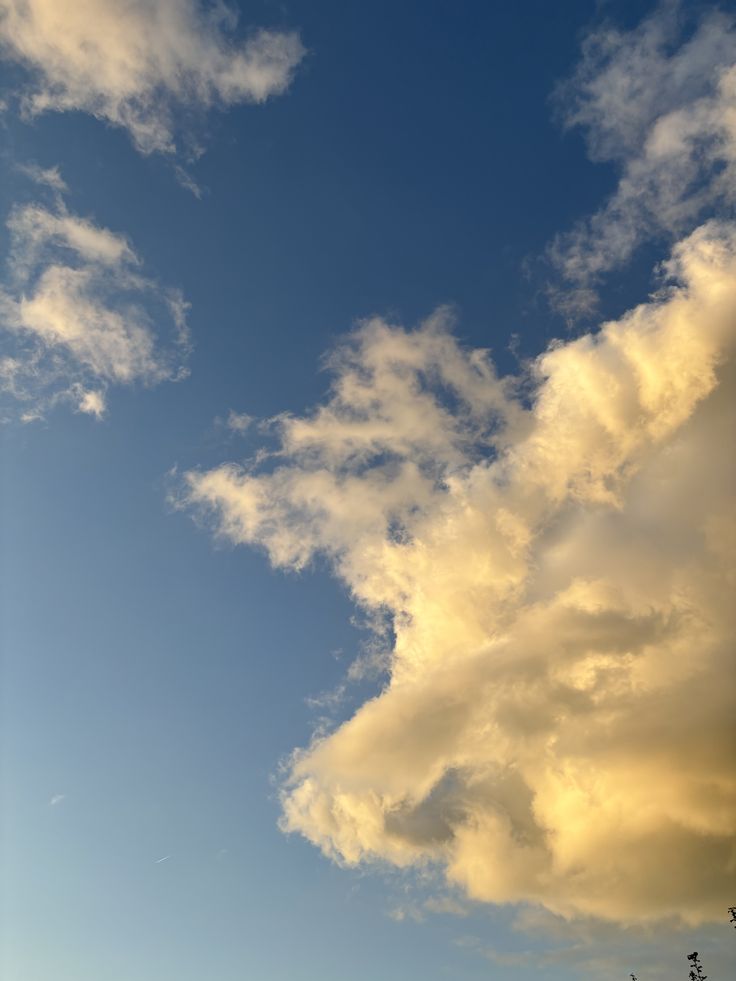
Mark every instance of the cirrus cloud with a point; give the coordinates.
(660, 106)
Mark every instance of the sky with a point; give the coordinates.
(366, 507)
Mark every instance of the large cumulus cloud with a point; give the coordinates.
(554, 556)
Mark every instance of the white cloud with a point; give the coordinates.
(238, 422)
(663, 110)
(78, 315)
(92, 403)
(141, 64)
(49, 176)
(552, 554)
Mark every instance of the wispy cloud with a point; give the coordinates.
(596, 949)
(238, 422)
(78, 314)
(143, 64)
(435, 905)
(56, 799)
(49, 176)
(659, 103)
(552, 554)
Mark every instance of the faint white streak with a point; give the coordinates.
(50, 176)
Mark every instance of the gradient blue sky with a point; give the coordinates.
(153, 678)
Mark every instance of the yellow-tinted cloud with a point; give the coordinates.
(135, 63)
(660, 105)
(78, 314)
(557, 569)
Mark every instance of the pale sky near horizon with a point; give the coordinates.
(366, 517)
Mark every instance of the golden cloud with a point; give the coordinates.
(555, 556)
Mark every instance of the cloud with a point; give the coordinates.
(91, 402)
(552, 555)
(596, 949)
(49, 176)
(142, 64)
(238, 422)
(78, 315)
(662, 109)
(56, 799)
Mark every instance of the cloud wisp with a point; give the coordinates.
(553, 556)
(662, 108)
(78, 314)
(144, 65)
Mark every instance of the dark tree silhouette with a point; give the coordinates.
(696, 974)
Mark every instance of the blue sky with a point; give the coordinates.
(525, 170)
